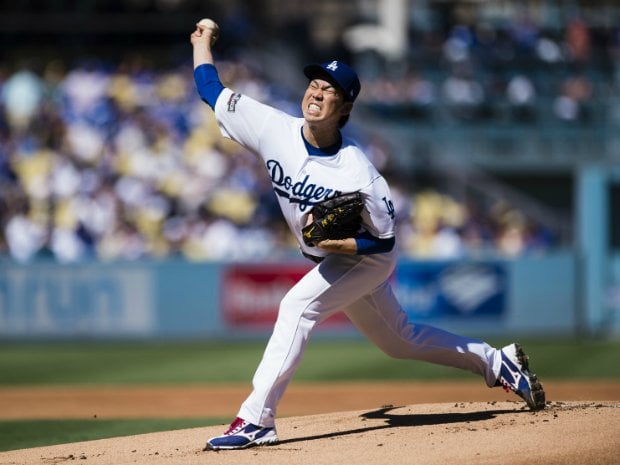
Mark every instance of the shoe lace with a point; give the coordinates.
(235, 426)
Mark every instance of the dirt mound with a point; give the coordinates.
(465, 433)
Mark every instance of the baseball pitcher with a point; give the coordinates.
(340, 210)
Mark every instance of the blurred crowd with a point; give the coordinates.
(125, 162)
(517, 72)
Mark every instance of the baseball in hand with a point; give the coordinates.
(207, 23)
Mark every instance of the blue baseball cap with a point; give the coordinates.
(338, 72)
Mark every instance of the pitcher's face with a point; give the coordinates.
(324, 102)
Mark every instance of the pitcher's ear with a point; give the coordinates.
(346, 108)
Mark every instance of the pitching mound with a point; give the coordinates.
(465, 433)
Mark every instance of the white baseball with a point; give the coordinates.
(207, 23)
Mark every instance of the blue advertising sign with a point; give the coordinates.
(431, 290)
(75, 300)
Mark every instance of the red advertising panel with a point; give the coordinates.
(253, 293)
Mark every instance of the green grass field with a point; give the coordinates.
(218, 362)
(22, 434)
(213, 362)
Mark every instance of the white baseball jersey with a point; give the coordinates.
(300, 180)
(358, 285)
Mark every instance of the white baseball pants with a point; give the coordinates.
(358, 286)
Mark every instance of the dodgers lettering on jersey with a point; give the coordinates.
(303, 192)
(300, 180)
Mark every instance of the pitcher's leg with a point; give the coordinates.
(283, 353)
(333, 285)
(381, 319)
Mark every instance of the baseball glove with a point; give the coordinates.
(335, 218)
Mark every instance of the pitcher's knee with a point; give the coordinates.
(294, 308)
(395, 351)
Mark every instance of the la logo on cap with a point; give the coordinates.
(333, 66)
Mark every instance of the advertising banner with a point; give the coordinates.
(253, 294)
(429, 290)
(437, 290)
(75, 301)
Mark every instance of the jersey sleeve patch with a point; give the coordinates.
(232, 102)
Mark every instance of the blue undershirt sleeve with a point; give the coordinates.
(208, 83)
(368, 244)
